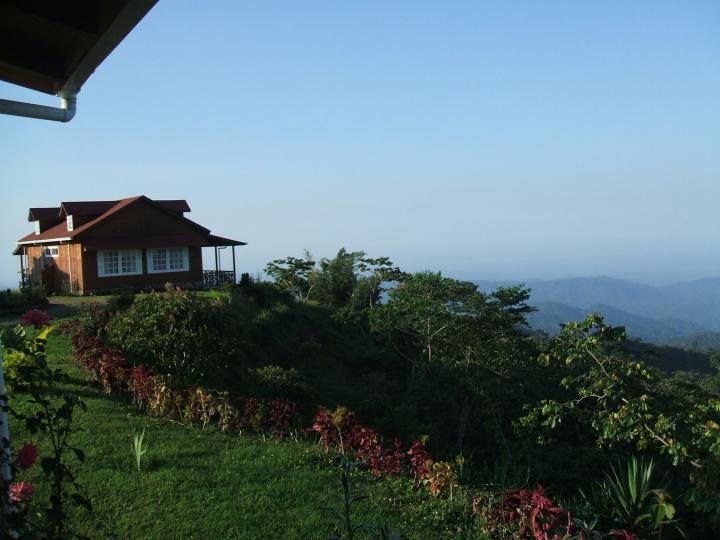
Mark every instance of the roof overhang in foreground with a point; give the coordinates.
(52, 46)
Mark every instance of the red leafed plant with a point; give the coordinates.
(420, 460)
(336, 428)
(253, 416)
(112, 369)
(393, 459)
(281, 414)
(536, 515)
(140, 385)
(273, 415)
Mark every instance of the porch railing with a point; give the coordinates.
(213, 278)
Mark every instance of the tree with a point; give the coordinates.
(606, 394)
(438, 323)
(294, 275)
(336, 278)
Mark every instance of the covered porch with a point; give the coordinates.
(217, 276)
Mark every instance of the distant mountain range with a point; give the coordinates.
(669, 314)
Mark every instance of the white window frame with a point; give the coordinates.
(51, 254)
(137, 253)
(69, 221)
(151, 256)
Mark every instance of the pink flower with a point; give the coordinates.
(21, 492)
(35, 317)
(27, 456)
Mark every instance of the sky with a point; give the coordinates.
(488, 140)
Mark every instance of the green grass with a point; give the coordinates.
(199, 483)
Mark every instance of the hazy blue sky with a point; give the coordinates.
(489, 140)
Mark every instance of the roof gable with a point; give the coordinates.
(107, 220)
(88, 228)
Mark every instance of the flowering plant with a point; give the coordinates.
(35, 317)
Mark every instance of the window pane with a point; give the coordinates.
(128, 262)
(176, 258)
(159, 260)
(110, 262)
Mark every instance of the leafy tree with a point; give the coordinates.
(294, 275)
(336, 278)
(375, 275)
(621, 403)
(442, 325)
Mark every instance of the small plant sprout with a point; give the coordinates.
(138, 448)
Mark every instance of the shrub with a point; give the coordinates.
(17, 367)
(339, 430)
(277, 381)
(23, 298)
(629, 498)
(441, 477)
(121, 300)
(179, 334)
(420, 460)
(534, 515)
(274, 416)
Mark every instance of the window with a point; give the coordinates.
(119, 262)
(69, 223)
(52, 251)
(174, 259)
(37, 227)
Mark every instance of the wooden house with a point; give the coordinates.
(95, 246)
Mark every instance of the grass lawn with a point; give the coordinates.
(199, 483)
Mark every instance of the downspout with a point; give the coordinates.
(70, 268)
(64, 113)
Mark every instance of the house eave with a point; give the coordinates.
(43, 241)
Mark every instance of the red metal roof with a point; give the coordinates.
(105, 209)
(220, 241)
(53, 233)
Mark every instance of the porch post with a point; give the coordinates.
(234, 273)
(22, 268)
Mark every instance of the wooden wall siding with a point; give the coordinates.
(92, 282)
(140, 219)
(67, 273)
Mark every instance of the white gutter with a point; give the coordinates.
(65, 113)
(44, 241)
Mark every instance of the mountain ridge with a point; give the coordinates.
(652, 313)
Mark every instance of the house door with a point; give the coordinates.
(48, 276)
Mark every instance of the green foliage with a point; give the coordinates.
(617, 402)
(120, 300)
(138, 448)
(449, 331)
(17, 368)
(23, 298)
(293, 275)
(180, 334)
(53, 415)
(628, 498)
(272, 381)
(336, 278)
(346, 525)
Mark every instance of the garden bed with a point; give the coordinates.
(199, 483)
